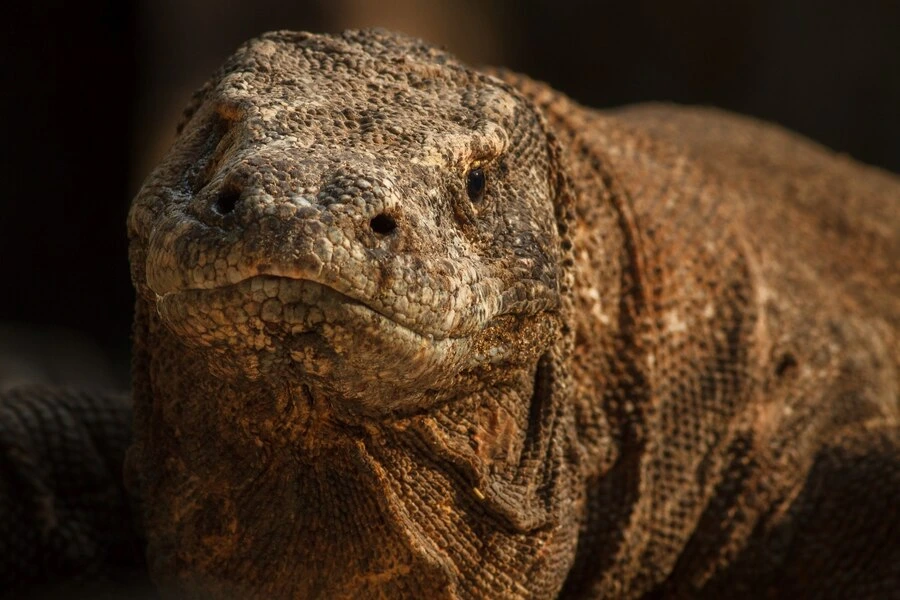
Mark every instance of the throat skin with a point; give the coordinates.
(259, 489)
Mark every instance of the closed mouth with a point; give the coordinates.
(296, 302)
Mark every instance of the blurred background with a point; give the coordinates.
(92, 90)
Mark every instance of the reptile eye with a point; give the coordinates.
(475, 183)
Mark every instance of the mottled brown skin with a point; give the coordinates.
(656, 357)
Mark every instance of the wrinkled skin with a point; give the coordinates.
(620, 369)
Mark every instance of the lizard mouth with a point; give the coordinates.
(301, 330)
(266, 303)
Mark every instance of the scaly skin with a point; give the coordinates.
(66, 526)
(656, 356)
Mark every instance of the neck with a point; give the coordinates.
(256, 490)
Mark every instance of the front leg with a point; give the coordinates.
(64, 513)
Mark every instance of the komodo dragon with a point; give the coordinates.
(405, 329)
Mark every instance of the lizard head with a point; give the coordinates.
(352, 273)
(364, 216)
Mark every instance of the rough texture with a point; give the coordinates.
(66, 528)
(405, 329)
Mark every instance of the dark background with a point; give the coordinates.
(91, 92)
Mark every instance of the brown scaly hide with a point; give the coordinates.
(755, 312)
(655, 356)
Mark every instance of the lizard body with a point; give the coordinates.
(409, 329)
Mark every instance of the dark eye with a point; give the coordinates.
(475, 183)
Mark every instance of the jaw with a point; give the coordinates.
(302, 333)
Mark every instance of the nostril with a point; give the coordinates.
(383, 224)
(227, 200)
(786, 365)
